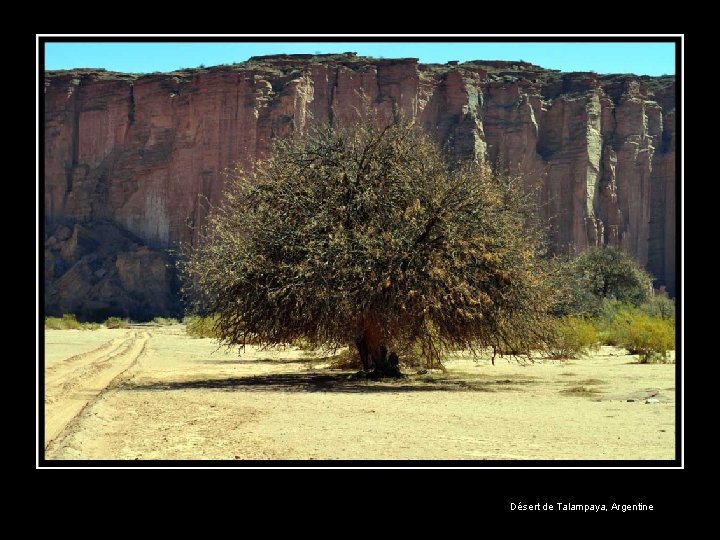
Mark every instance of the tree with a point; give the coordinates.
(369, 236)
(599, 274)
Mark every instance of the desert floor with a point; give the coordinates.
(156, 393)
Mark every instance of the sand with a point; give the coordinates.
(156, 393)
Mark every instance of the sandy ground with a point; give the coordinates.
(155, 393)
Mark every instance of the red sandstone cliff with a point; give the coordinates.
(131, 153)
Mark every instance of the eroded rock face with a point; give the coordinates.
(96, 270)
(136, 151)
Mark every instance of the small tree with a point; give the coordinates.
(369, 236)
(597, 275)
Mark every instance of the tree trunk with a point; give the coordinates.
(374, 355)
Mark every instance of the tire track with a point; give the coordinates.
(71, 368)
(69, 392)
(101, 349)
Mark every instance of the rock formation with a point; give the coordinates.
(97, 270)
(127, 156)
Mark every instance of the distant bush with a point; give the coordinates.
(164, 321)
(649, 337)
(613, 321)
(659, 306)
(201, 327)
(68, 322)
(610, 309)
(572, 337)
(116, 322)
(597, 275)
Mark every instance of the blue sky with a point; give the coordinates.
(638, 58)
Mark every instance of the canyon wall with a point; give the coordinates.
(127, 157)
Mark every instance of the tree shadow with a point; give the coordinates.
(335, 382)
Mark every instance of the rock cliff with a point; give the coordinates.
(126, 156)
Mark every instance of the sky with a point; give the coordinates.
(638, 58)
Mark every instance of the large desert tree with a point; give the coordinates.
(369, 236)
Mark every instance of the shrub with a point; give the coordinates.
(649, 337)
(660, 306)
(52, 323)
(610, 309)
(68, 322)
(572, 337)
(90, 326)
(613, 321)
(116, 322)
(201, 327)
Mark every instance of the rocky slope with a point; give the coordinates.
(126, 156)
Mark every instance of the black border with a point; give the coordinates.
(609, 470)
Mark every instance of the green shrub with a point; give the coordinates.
(116, 322)
(54, 323)
(201, 327)
(609, 311)
(649, 337)
(51, 323)
(660, 306)
(623, 325)
(613, 322)
(90, 326)
(68, 322)
(572, 337)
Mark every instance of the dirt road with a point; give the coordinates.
(155, 393)
(73, 382)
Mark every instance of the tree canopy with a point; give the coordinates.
(370, 235)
